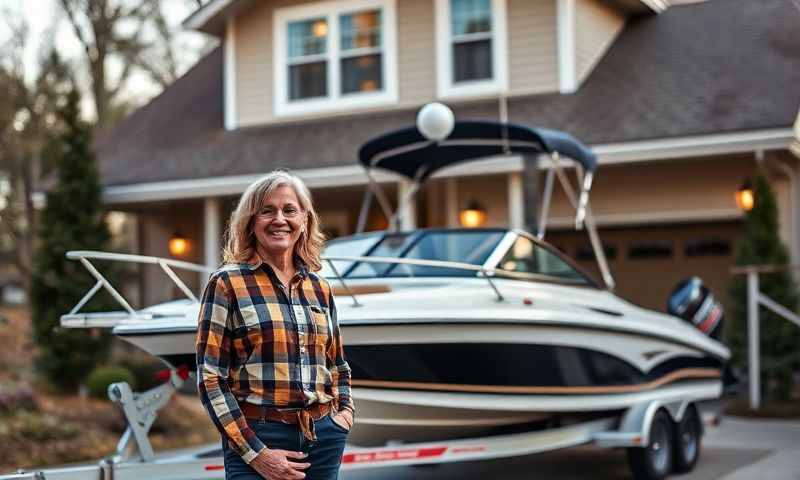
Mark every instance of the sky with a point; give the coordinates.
(45, 15)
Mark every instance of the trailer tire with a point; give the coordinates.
(654, 461)
(688, 436)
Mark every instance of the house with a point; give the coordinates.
(680, 101)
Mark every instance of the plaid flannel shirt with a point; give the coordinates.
(261, 342)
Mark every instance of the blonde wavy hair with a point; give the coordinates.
(240, 242)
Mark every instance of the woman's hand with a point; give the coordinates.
(275, 464)
(344, 419)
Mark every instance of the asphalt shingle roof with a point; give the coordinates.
(713, 67)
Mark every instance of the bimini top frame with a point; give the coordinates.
(407, 152)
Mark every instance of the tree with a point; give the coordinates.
(71, 220)
(761, 245)
(135, 33)
(27, 115)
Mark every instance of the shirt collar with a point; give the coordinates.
(256, 261)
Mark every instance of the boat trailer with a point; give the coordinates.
(134, 457)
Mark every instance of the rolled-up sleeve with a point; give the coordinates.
(214, 353)
(340, 370)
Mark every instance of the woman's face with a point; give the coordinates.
(279, 223)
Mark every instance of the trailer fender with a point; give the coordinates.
(634, 426)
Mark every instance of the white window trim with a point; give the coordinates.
(567, 54)
(230, 75)
(334, 101)
(446, 89)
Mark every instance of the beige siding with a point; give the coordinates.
(533, 46)
(254, 48)
(491, 192)
(156, 228)
(689, 187)
(254, 66)
(254, 74)
(416, 47)
(596, 27)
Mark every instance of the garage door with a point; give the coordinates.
(648, 261)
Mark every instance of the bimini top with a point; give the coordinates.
(409, 153)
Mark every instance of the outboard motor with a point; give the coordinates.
(693, 302)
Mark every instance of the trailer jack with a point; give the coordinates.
(141, 410)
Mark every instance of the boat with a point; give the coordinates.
(459, 333)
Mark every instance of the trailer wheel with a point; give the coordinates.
(688, 436)
(654, 462)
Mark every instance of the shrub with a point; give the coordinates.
(144, 372)
(102, 377)
(16, 397)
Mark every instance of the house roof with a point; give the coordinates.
(211, 16)
(714, 67)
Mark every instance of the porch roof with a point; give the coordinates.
(680, 74)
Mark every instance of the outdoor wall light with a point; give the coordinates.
(473, 216)
(178, 245)
(745, 198)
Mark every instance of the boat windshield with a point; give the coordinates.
(527, 259)
(355, 246)
(462, 246)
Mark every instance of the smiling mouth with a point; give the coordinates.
(279, 233)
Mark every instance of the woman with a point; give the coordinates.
(271, 368)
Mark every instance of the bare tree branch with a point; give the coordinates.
(68, 6)
(132, 31)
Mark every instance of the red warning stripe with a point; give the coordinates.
(389, 455)
(711, 321)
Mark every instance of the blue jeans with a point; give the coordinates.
(324, 454)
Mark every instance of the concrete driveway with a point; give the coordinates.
(739, 449)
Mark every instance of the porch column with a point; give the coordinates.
(407, 210)
(451, 201)
(516, 201)
(211, 233)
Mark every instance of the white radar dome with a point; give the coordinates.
(435, 121)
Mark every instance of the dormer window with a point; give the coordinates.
(471, 44)
(308, 62)
(471, 30)
(335, 56)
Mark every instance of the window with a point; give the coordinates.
(462, 247)
(644, 250)
(361, 52)
(334, 56)
(450, 246)
(707, 247)
(349, 247)
(471, 30)
(308, 74)
(586, 252)
(471, 43)
(525, 256)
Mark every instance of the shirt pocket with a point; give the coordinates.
(250, 317)
(321, 323)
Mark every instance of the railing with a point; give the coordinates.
(486, 273)
(75, 319)
(755, 299)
